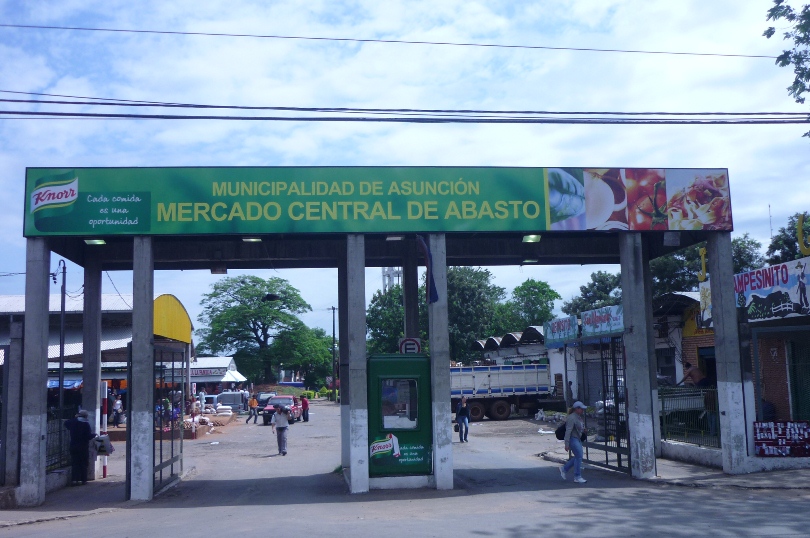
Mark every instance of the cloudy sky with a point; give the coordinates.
(768, 165)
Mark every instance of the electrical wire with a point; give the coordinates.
(370, 110)
(795, 119)
(384, 41)
(116, 289)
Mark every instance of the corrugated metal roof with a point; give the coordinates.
(110, 302)
(111, 338)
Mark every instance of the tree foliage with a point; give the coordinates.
(385, 321)
(237, 321)
(534, 302)
(305, 350)
(471, 304)
(798, 32)
(604, 289)
(784, 246)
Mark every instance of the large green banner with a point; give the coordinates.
(264, 200)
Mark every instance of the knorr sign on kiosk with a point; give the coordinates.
(262, 200)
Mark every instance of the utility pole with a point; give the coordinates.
(334, 363)
(61, 345)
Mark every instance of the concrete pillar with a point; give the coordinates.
(642, 393)
(91, 367)
(727, 353)
(410, 290)
(343, 361)
(140, 418)
(33, 426)
(12, 402)
(358, 371)
(439, 336)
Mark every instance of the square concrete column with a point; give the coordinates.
(355, 316)
(343, 360)
(140, 419)
(642, 393)
(12, 406)
(410, 289)
(727, 353)
(91, 338)
(439, 336)
(33, 426)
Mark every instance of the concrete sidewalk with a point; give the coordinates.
(686, 474)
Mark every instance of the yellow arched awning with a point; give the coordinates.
(171, 319)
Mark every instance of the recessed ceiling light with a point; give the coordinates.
(95, 242)
(394, 237)
(252, 239)
(530, 261)
(531, 238)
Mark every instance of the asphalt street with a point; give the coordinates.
(236, 483)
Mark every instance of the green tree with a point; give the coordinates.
(533, 301)
(305, 350)
(236, 320)
(471, 304)
(798, 32)
(784, 246)
(505, 319)
(385, 321)
(746, 253)
(604, 289)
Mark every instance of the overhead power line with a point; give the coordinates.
(796, 119)
(155, 104)
(386, 41)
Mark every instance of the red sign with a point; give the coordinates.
(410, 345)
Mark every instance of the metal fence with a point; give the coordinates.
(690, 415)
(57, 443)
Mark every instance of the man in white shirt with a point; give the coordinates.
(280, 421)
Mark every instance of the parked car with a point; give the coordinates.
(263, 398)
(231, 399)
(283, 400)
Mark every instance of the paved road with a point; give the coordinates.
(241, 486)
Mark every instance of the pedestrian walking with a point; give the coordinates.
(463, 420)
(574, 428)
(305, 408)
(280, 422)
(118, 408)
(253, 409)
(80, 436)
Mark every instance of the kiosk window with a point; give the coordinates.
(399, 404)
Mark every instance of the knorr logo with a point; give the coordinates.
(55, 192)
(384, 447)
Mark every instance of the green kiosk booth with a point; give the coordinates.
(400, 429)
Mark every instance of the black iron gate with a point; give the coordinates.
(601, 386)
(168, 397)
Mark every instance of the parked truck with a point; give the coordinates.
(492, 390)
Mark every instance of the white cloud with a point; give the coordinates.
(767, 164)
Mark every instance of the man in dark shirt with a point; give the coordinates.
(80, 436)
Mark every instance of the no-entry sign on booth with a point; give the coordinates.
(196, 201)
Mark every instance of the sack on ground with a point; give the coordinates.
(456, 427)
(560, 432)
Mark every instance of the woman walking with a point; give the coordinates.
(463, 420)
(574, 428)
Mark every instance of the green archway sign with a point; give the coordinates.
(263, 200)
